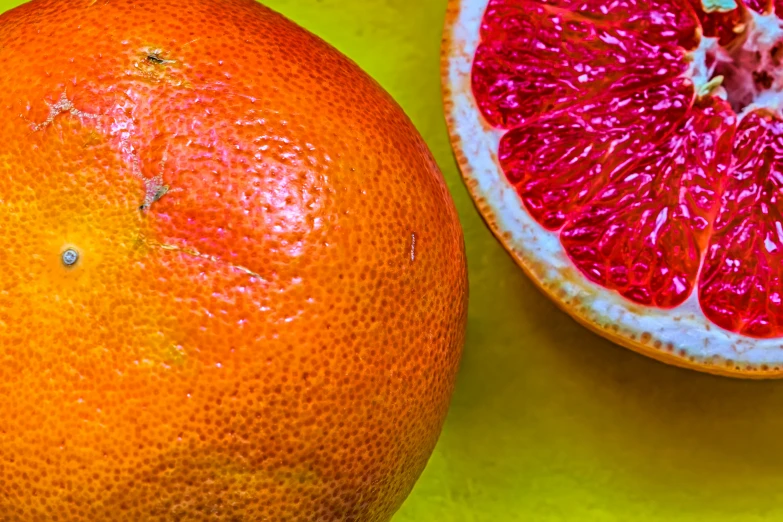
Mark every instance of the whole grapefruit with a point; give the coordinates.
(233, 281)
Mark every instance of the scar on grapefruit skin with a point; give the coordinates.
(248, 331)
(456, 81)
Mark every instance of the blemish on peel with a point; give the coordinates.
(63, 105)
(413, 247)
(154, 190)
(191, 42)
(153, 66)
(70, 257)
(156, 58)
(144, 241)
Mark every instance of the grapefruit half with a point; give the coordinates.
(629, 155)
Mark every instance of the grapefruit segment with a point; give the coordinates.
(644, 233)
(742, 281)
(559, 162)
(535, 58)
(662, 21)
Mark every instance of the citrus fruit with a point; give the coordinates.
(233, 281)
(629, 155)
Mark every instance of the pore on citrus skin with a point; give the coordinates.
(629, 165)
(234, 283)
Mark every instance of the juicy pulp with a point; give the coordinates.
(647, 136)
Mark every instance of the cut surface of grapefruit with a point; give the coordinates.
(232, 279)
(629, 155)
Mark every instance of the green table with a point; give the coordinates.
(549, 422)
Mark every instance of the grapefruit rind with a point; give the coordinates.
(680, 336)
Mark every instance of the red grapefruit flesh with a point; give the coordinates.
(630, 157)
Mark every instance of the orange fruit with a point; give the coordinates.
(233, 281)
(628, 155)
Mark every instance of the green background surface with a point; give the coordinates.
(549, 422)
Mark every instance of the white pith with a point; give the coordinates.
(685, 327)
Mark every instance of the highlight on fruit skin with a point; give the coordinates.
(629, 156)
(232, 279)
